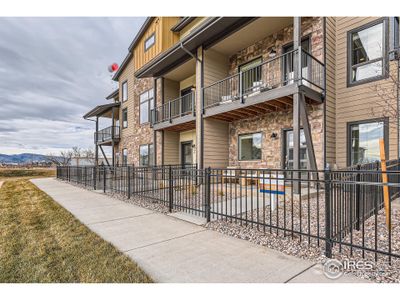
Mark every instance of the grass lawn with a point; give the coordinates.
(20, 173)
(42, 242)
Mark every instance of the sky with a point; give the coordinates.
(53, 71)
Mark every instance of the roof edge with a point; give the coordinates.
(182, 23)
(113, 94)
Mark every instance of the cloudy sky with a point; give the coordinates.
(52, 71)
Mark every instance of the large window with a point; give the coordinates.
(124, 157)
(146, 105)
(146, 154)
(250, 146)
(150, 41)
(288, 61)
(124, 118)
(288, 151)
(124, 91)
(364, 141)
(367, 52)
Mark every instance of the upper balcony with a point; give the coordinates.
(107, 135)
(265, 86)
(177, 111)
(180, 110)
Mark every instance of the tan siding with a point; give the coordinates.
(171, 90)
(359, 102)
(171, 147)
(189, 28)
(216, 67)
(216, 143)
(164, 39)
(330, 90)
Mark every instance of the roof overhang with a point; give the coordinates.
(101, 110)
(206, 34)
(113, 94)
(182, 24)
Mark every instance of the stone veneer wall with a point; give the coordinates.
(271, 155)
(136, 134)
(275, 122)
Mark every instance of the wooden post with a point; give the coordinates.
(385, 181)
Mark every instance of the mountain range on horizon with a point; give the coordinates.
(22, 158)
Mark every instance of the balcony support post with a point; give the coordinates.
(96, 144)
(307, 134)
(112, 138)
(296, 107)
(199, 103)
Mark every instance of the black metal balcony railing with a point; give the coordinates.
(271, 74)
(106, 135)
(176, 108)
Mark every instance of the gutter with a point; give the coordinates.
(188, 52)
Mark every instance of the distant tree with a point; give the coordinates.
(62, 159)
(89, 156)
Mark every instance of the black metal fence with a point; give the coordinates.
(342, 211)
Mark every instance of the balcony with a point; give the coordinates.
(107, 135)
(265, 87)
(176, 113)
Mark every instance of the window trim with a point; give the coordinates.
(122, 91)
(145, 41)
(149, 154)
(123, 122)
(385, 55)
(238, 145)
(149, 110)
(385, 121)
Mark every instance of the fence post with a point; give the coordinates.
(171, 190)
(328, 232)
(357, 206)
(104, 179)
(129, 182)
(208, 194)
(94, 177)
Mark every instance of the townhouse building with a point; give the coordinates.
(255, 92)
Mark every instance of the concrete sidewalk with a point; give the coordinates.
(172, 250)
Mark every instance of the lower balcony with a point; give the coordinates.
(107, 136)
(178, 113)
(265, 87)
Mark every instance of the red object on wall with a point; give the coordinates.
(113, 67)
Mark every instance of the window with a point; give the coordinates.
(394, 36)
(146, 155)
(124, 91)
(251, 77)
(124, 118)
(250, 146)
(367, 51)
(288, 151)
(146, 105)
(150, 41)
(364, 141)
(124, 157)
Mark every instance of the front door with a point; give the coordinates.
(187, 153)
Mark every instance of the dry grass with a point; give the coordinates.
(25, 173)
(42, 242)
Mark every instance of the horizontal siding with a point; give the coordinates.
(171, 147)
(359, 102)
(216, 144)
(216, 67)
(330, 90)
